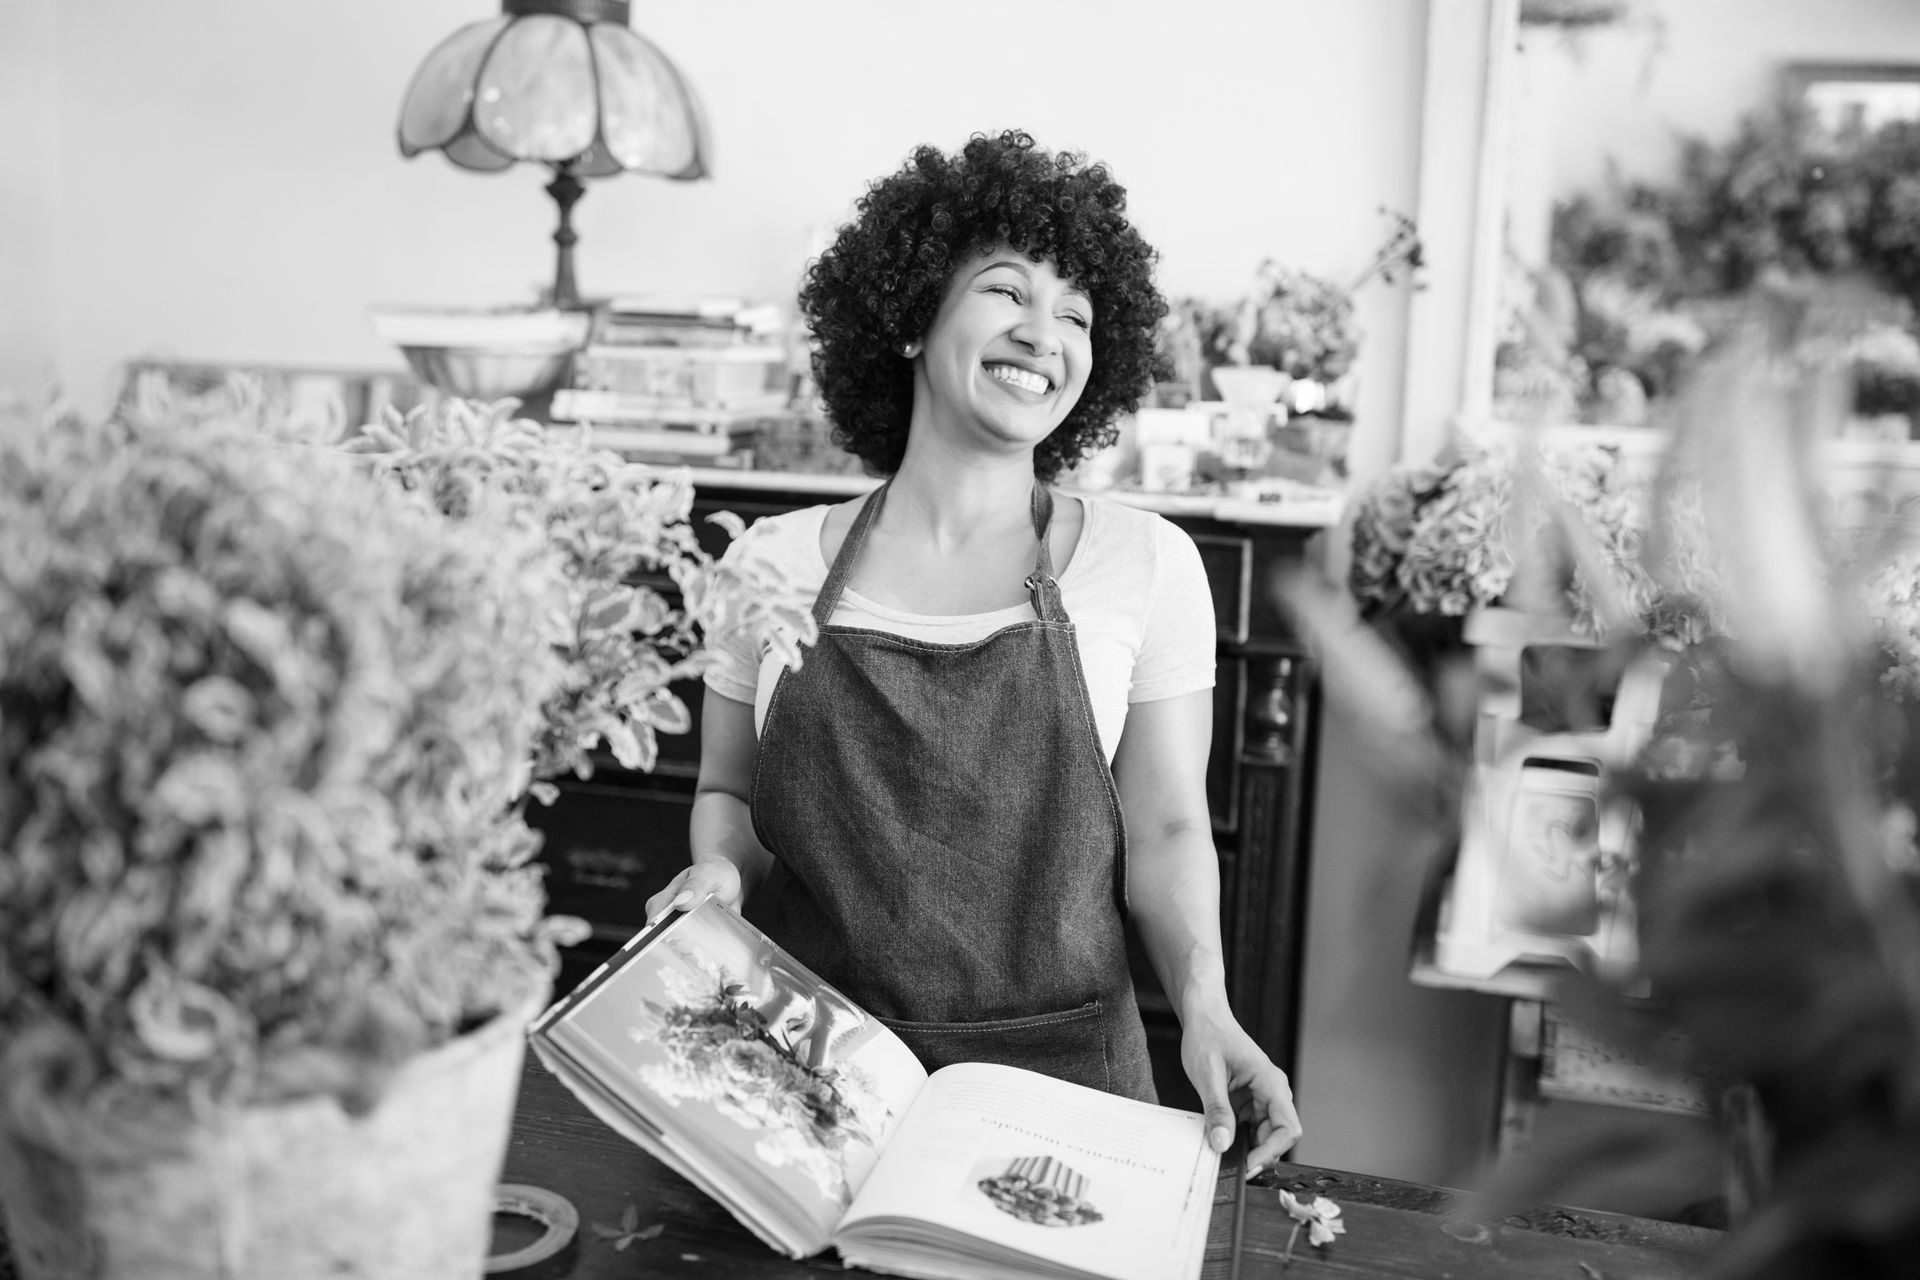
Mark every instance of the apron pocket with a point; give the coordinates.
(1069, 1045)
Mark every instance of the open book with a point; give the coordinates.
(714, 1050)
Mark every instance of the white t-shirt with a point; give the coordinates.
(1135, 589)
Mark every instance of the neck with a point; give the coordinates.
(956, 497)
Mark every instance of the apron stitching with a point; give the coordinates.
(1106, 770)
(895, 640)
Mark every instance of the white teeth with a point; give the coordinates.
(1014, 376)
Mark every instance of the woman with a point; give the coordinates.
(982, 763)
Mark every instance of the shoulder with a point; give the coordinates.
(835, 522)
(786, 540)
(1144, 538)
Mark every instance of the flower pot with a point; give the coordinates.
(295, 1190)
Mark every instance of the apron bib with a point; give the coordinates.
(954, 852)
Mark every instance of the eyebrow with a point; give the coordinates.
(1016, 264)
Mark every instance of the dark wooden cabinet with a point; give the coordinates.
(614, 840)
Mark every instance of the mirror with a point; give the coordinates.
(1642, 163)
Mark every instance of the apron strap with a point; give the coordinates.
(1041, 587)
(830, 591)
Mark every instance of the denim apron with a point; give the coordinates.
(954, 853)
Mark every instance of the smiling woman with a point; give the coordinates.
(1007, 355)
(985, 765)
(878, 287)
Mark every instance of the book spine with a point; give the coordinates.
(694, 377)
(665, 439)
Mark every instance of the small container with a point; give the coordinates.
(491, 373)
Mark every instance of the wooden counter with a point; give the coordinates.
(1395, 1230)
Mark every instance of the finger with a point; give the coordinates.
(675, 894)
(1278, 1131)
(1218, 1106)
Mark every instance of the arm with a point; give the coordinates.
(728, 859)
(1173, 878)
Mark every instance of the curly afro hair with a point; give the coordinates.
(880, 283)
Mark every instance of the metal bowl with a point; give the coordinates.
(491, 373)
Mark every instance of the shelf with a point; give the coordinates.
(1307, 513)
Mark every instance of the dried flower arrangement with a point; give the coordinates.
(614, 524)
(1442, 538)
(262, 726)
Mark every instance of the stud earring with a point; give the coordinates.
(910, 350)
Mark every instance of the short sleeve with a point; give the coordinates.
(1177, 640)
(787, 545)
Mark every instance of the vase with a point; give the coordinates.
(293, 1191)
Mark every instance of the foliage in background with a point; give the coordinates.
(1643, 273)
(622, 533)
(1295, 321)
(263, 720)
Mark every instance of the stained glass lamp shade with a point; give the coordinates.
(562, 83)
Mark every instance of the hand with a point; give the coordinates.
(1236, 1081)
(717, 877)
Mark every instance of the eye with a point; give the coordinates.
(1006, 290)
(1074, 317)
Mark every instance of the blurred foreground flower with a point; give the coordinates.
(1775, 870)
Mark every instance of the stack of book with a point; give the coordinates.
(681, 382)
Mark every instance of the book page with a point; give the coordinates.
(743, 1056)
(1080, 1178)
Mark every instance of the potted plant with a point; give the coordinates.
(269, 928)
(267, 931)
(1292, 342)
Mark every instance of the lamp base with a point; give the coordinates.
(566, 191)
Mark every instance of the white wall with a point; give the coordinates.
(226, 187)
(32, 301)
(236, 191)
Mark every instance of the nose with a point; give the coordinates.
(1039, 332)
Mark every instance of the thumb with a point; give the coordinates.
(1219, 1107)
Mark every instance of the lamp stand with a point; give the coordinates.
(566, 190)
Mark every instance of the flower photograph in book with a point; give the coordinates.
(761, 1052)
(1037, 1189)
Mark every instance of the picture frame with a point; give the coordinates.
(1848, 101)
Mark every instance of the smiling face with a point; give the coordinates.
(1007, 354)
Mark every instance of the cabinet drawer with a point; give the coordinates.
(608, 848)
(1229, 565)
